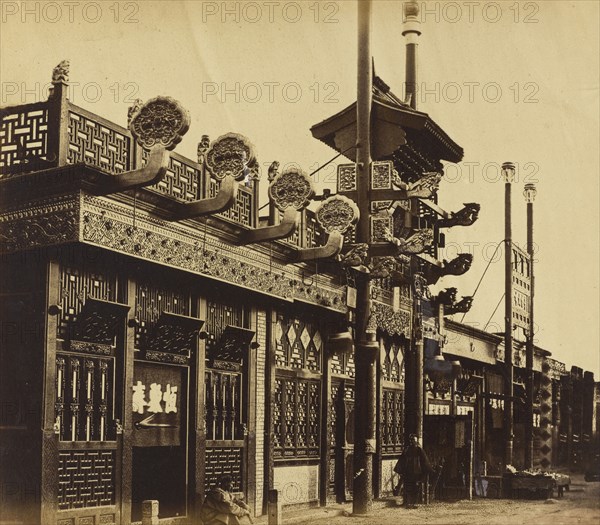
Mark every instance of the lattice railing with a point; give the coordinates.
(183, 179)
(243, 209)
(98, 142)
(23, 138)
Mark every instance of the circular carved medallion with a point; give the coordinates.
(161, 120)
(291, 188)
(337, 214)
(231, 154)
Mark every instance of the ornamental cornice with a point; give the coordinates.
(113, 226)
(40, 223)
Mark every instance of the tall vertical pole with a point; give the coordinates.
(411, 32)
(529, 352)
(366, 347)
(508, 170)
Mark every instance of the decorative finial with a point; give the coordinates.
(411, 9)
(273, 170)
(411, 18)
(203, 146)
(136, 106)
(61, 72)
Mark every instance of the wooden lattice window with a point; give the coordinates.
(223, 405)
(392, 361)
(298, 344)
(76, 285)
(151, 301)
(392, 409)
(218, 317)
(84, 407)
(296, 418)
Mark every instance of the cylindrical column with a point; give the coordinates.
(508, 170)
(366, 346)
(529, 193)
(411, 31)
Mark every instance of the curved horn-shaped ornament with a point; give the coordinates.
(291, 192)
(336, 215)
(224, 200)
(158, 126)
(229, 160)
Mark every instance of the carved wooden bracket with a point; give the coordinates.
(157, 126)
(336, 215)
(224, 200)
(229, 159)
(291, 192)
(334, 245)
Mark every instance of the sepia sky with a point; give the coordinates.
(508, 81)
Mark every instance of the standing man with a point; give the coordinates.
(414, 466)
(221, 508)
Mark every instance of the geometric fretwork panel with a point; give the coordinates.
(86, 479)
(219, 315)
(392, 362)
(84, 398)
(23, 137)
(392, 428)
(297, 420)
(182, 180)
(343, 364)
(75, 286)
(150, 302)
(298, 344)
(222, 461)
(95, 144)
(242, 211)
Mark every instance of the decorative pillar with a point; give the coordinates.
(529, 193)
(366, 347)
(508, 171)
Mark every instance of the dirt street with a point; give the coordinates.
(580, 505)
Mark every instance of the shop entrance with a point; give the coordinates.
(160, 418)
(449, 440)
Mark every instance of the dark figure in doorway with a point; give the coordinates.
(221, 508)
(414, 466)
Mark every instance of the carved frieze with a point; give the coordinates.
(110, 226)
(44, 223)
(393, 323)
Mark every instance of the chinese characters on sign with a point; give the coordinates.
(157, 404)
(156, 397)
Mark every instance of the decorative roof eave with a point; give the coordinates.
(471, 331)
(339, 130)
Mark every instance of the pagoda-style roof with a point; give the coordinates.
(392, 119)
